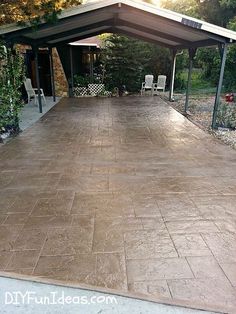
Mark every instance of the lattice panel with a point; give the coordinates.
(96, 89)
(80, 91)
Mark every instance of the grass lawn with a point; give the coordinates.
(199, 85)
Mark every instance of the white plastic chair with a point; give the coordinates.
(160, 85)
(33, 92)
(147, 85)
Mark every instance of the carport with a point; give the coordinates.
(140, 20)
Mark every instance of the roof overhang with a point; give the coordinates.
(88, 42)
(144, 21)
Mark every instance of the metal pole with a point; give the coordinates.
(219, 87)
(71, 72)
(172, 82)
(92, 64)
(52, 74)
(192, 53)
(37, 79)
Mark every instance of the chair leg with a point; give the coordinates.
(28, 99)
(44, 99)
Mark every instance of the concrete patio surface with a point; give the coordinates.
(30, 112)
(125, 195)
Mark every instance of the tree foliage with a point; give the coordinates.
(33, 11)
(127, 60)
(219, 12)
(182, 6)
(215, 11)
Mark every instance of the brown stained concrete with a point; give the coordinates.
(121, 194)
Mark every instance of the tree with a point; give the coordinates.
(215, 12)
(222, 13)
(127, 60)
(182, 6)
(122, 62)
(33, 11)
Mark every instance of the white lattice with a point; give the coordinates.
(80, 91)
(96, 89)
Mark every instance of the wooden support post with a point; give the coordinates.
(52, 74)
(172, 80)
(38, 79)
(223, 54)
(192, 53)
(91, 60)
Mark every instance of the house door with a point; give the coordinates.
(44, 70)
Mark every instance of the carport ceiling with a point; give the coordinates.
(128, 17)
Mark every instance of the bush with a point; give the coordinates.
(226, 115)
(80, 80)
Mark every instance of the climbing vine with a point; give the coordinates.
(12, 71)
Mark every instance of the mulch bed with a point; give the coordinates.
(200, 109)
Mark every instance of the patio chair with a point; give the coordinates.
(33, 92)
(147, 85)
(160, 85)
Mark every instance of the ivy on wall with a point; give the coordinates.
(12, 71)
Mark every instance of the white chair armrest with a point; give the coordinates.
(36, 90)
(143, 84)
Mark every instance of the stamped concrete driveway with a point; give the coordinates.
(122, 194)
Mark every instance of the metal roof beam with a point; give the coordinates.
(44, 26)
(142, 15)
(75, 32)
(94, 33)
(143, 38)
(200, 43)
(87, 34)
(153, 32)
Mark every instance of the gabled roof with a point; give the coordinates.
(94, 41)
(128, 17)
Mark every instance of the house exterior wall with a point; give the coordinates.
(61, 84)
(61, 66)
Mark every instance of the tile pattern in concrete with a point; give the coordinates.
(124, 194)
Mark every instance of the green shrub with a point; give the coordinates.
(80, 80)
(226, 115)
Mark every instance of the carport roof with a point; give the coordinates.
(128, 17)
